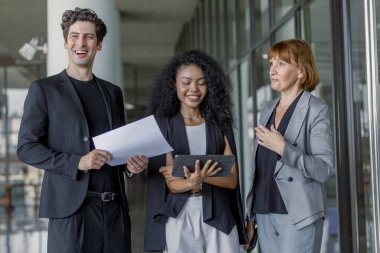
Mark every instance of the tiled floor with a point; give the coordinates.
(22, 232)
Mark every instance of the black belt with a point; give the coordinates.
(104, 196)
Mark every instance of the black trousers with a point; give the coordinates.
(97, 227)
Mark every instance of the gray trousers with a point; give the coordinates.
(97, 227)
(277, 234)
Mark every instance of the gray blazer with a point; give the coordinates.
(307, 162)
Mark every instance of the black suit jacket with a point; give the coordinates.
(54, 135)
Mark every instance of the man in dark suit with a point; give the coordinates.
(83, 197)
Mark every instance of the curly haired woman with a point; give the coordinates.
(197, 213)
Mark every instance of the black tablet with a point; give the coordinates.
(224, 161)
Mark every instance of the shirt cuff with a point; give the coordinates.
(129, 174)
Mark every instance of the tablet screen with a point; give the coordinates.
(224, 161)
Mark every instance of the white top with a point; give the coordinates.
(196, 136)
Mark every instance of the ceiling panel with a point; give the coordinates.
(149, 30)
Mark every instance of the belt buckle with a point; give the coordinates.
(107, 196)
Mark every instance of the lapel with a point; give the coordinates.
(264, 117)
(177, 135)
(296, 122)
(179, 140)
(266, 113)
(71, 90)
(297, 119)
(106, 98)
(74, 95)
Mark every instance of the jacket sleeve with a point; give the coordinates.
(317, 161)
(33, 137)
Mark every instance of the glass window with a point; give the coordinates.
(247, 123)
(235, 108)
(201, 17)
(231, 36)
(281, 7)
(245, 25)
(235, 93)
(378, 32)
(194, 34)
(287, 31)
(260, 18)
(221, 42)
(263, 92)
(214, 27)
(364, 194)
(197, 31)
(206, 24)
(317, 32)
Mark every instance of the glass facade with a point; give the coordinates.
(246, 30)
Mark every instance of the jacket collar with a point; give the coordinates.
(179, 142)
(296, 120)
(74, 95)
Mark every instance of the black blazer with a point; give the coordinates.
(222, 208)
(54, 135)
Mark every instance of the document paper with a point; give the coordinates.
(142, 137)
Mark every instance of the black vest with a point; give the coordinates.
(222, 208)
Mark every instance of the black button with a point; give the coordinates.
(290, 179)
(295, 144)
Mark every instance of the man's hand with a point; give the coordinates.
(94, 160)
(137, 164)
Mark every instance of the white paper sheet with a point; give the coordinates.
(142, 137)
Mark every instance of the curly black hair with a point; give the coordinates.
(69, 17)
(216, 106)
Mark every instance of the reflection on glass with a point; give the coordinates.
(214, 28)
(261, 18)
(235, 93)
(245, 25)
(247, 116)
(281, 7)
(231, 36)
(319, 37)
(206, 24)
(286, 31)
(221, 41)
(262, 82)
(378, 32)
(360, 116)
(235, 109)
(196, 29)
(202, 39)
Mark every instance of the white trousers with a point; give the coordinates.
(189, 234)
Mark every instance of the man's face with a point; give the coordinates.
(82, 44)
